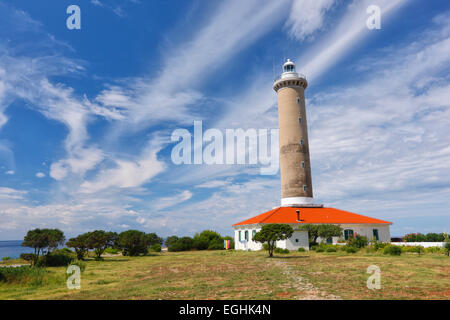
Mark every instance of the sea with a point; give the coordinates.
(13, 249)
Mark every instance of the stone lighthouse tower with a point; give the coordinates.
(295, 167)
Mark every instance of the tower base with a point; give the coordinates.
(300, 202)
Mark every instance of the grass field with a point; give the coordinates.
(246, 275)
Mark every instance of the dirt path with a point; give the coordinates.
(308, 291)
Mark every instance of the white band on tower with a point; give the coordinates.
(296, 201)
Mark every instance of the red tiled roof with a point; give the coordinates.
(310, 215)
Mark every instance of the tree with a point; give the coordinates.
(208, 239)
(154, 239)
(80, 245)
(134, 242)
(321, 230)
(99, 240)
(43, 241)
(182, 244)
(171, 241)
(271, 233)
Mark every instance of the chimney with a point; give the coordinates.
(298, 215)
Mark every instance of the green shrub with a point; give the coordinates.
(4, 259)
(282, 251)
(216, 244)
(155, 248)
(266, 246)
(54, 260)
(349, 249)
(81, 264)
(22, 275)
(357, 241)
(301, 249)
(433, 249)
(331, 249)
(182, 244)
(447, 248)
(392, 250)
(314, 247)
(413, 249)
(379, 245)
(320, 249)
(27, 256)
(112, 250)
(414, 237)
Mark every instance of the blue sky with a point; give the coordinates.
(86, 115)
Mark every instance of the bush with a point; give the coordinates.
(320, 249)
(414, 237)
(182, 244)
(433, 250)
(392, 250)
(22, 275)
(4, 259)
(155, 248)
(266, 247)
(112, 250)
(27, 256)
(379, 245)
(357, 241)
(434, 237)
(216, 245)
(349, 249)
(301, 249)
(447, 247)
(54, 260)
(413, 249)
(81, 264)
(282, 251)
(331, 249)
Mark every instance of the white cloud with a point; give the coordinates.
(40, 175)
(307, 17)
(10, 172)
(166, 202)
(129, 174)
(346, 34)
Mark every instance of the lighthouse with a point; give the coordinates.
(295, 166)
(297, 205)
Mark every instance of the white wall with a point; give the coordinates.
(362, 229)
(423, 244)
(365, 230)
(291, 243)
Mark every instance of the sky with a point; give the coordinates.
(86, 115)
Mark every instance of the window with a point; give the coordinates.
(304, 187)
(329, 240)
(296, 240)
(303, 164)
(301, 142)
(298, 100)
(246, 235)
(348, 233)
(375, 234)
(253, 233)
(240, 236)
(300, 120)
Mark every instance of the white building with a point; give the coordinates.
(351, 223)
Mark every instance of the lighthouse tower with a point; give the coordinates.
(295, 167)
